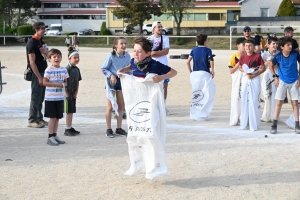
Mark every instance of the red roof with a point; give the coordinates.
(77, 1)
(74, 12)
(216, 4)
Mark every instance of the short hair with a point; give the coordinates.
(144, 42)
(38, 25)
(53, 52)
(284, 40)
(288, 29)
(250, 40)
(201, 38)
(272, 39)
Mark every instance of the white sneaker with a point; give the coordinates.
(51, 141)
(167, 112)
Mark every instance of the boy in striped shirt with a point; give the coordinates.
(55, 79)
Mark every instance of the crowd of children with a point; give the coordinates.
(278, 68)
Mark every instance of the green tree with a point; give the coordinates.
(136, 12)
(24, 9)
(177, 9)
(286, 8)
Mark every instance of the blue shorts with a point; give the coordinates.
(167, 80)
(117, 86)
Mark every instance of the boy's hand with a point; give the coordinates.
(212, 74)
(251, 76)
(113, 80)
(276, 81)
(75, 95)
(157, 78)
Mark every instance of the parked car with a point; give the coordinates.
(129, 29)
(147, 29)
(86, 31)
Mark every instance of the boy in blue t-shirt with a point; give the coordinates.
(286, 80)
(142, 63)
(201, 56)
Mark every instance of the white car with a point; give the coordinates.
(130, 30)
(147, 29)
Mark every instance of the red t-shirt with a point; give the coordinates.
(253, 61)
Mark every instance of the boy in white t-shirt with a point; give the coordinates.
(160, 50)
(55, 79)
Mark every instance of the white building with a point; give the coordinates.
(259, 8)
(73, 14)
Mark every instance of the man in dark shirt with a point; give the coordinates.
(37, 63)
(247, 35)
(289, 32)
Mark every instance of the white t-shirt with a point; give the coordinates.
(156, 42)
(55, 75)
(268, 56)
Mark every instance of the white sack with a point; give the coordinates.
(269, 91)
(110, 96)
(290, 122)
(203, 95)
(146, 119)
(250, 97)
(235, 111)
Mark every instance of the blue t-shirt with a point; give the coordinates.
(287, 66)
(200, 56)
(155, 67)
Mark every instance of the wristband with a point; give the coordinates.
(275, 75)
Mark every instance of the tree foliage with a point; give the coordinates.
(17, 12)
(177, 9)
(25, 30)
(104, 30)
(136, 12)
(286, 8)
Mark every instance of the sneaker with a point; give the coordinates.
(35, 125)
(297, 129)
(124, 115)
(75, 131)
(274, 129)
(109, 133)
(51, 141)
(121, 132)
(168, 112)
(58, 140)
(69, 132)
(285, 100)
(43, 122)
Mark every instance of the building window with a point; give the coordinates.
(161, 18)
(84, 5)
(56, 5)
(49, 16)
(264, 12)
(101, 17)
(214, 16)
(200, 17)
(102, 5)
(116, 18)
(76, 16)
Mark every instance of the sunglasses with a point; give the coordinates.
(247, 31)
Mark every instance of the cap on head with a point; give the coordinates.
(38, 25)
(247, 28)
(240, 40)
(155, 24)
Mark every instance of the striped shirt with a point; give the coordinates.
(55, 75)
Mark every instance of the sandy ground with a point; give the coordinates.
(206, 160)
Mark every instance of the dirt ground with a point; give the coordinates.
(206, 160)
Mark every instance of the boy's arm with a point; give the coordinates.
(212, 71)
(49, 84)
(124, 70)
(160, 53)
(188, 64)
(170, 74)
(233, 69)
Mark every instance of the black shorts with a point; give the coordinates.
(68, 45)
(54, 109)
(71, 106)
(117, 86)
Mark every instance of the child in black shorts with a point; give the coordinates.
(72, 90)
(55, 79)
